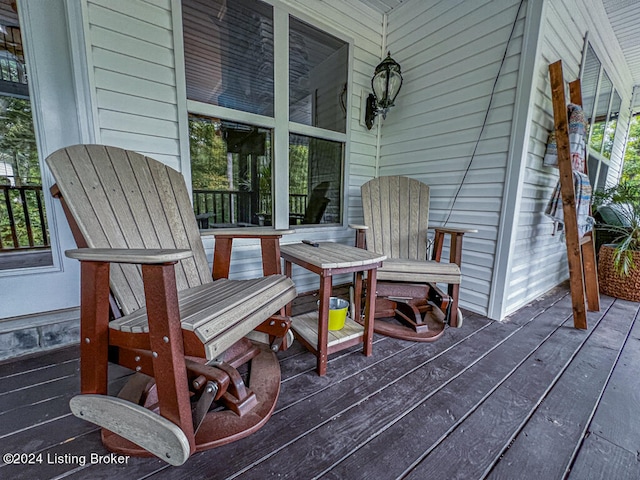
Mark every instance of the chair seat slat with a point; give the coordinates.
(214, 311)
(395, 269)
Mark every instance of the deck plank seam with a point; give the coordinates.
(39, 369)
(586, 430)
(342, 379)
(356, 350)
(546, 393)
(49, 420)
(422, 365)
(334, 357)
(35, 385)
(517, 327)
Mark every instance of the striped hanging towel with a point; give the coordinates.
(582, 188)
(577, 140)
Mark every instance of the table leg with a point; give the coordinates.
(288, 270)
(323, 323)
(357, 295)
(369, 312)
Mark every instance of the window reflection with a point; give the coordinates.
(612, 124)
(317, 77)
(229, 62)
(230, 173)
(600, 117)
(315, 180)
(228, 49)
(589, 82)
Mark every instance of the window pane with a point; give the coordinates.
(600, 118)
(315, 180)
(602, 176)
(610, 131)
(317, 77)
(592, 168)
(230, 173)
(228, 51)
(589, 82)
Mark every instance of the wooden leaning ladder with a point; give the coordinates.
(583, 275)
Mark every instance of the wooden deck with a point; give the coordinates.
(529, 398)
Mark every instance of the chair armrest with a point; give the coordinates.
(360, 234)
(455, 253)
(269, 245)
(247, 232)
(454, 230)
(358, 227)
(129, 255)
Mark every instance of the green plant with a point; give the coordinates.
(619, 209)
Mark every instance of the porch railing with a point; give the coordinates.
(226, 207)
(23, 223)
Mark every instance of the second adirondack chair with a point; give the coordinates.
(396, 216)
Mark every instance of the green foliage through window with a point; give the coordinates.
(631, 168)
(21, 201)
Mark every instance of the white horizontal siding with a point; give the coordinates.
(132, 70)
(539, 262)
(450, 53)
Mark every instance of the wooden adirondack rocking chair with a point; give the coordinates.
(396, 214)
(149, 302)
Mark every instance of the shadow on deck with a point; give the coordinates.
(528, 398)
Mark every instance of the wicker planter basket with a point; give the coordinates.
(612, 284)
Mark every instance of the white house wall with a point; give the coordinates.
(450, 53)
(132, 74)
(539, 262)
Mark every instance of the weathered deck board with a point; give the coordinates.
(397, 447)
(309, 402)
(347, 416)
(559, 425)
(600, 459)
(611, 449)
(474, 404)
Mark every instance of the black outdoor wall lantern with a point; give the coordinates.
(386, 83)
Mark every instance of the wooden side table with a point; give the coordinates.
(328, 259)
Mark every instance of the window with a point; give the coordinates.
(238, 115)
(600, 115)
(23, 221)
(601, 103)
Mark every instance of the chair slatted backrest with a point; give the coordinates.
(396, 210)
(122, 199)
